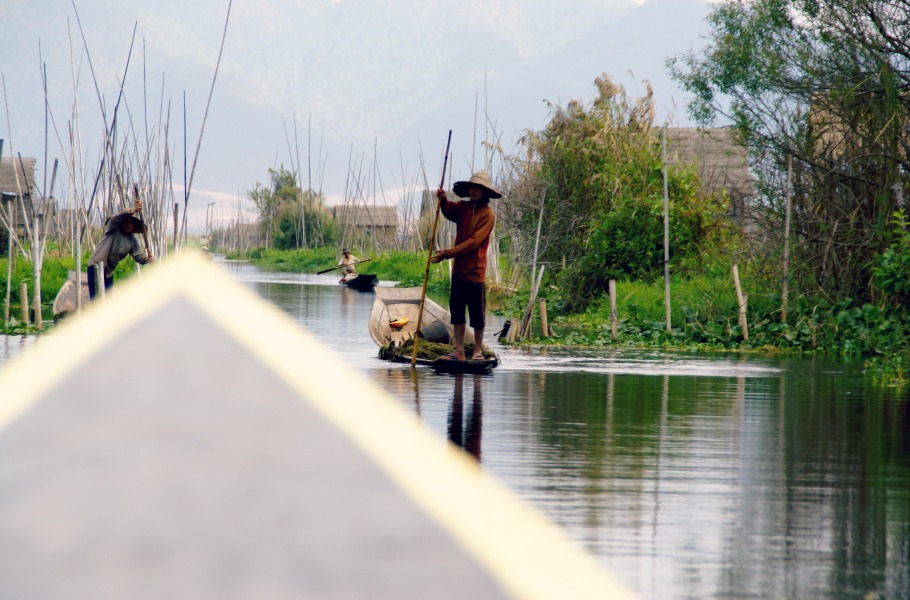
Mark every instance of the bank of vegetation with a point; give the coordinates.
(817, 93)
(54, 271)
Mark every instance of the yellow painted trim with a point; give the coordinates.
(530, 557)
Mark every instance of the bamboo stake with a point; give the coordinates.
(23, 302)
(785, 289)
(525, 329)
(9, 257)
(612, 287)
(205, 116)
(544, 326)
(666, 230)
(426, 272)
(741, 303)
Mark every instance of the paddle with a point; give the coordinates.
(339, 266)
(426, 272)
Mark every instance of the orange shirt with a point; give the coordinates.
(474, 224)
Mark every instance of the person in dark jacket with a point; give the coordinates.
(474, 221)
(118, 241)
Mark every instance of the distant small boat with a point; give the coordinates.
(65, 302)
(363, 282)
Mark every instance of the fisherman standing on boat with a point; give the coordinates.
(347, 262)
(474, 221)
(118, 241)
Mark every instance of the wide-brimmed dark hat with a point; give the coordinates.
(481, 178)
(118, 220)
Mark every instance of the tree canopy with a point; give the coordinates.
(596, 173)
(288, 216)
(822, 85)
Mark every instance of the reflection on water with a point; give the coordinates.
(465, 425)
(689, 476)
(11, 345)
(795, 484)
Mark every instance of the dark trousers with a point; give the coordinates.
(92, 278)
(471, 296)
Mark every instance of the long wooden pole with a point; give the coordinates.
(426, 272)
(666, 229)
(741, 302)
(145, 235)
(340, 266)
(785, 288)
(9, 253)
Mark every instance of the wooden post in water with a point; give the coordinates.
(36, 266)
(525, 329)
(23, 302)
(785, 289)
(513, 333)
(544, 326)
(612, 287)
(741, 303)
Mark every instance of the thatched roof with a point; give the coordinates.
(8, 169)
(366, 216)
(721, 161)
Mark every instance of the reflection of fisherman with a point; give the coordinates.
(117, 242)
(466, 433)
(347, 262)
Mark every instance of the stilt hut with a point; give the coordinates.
(721, 161)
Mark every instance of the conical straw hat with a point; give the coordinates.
(481, 178)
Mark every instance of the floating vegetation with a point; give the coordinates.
(426, 350)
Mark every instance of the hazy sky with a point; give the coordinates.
(389, 77)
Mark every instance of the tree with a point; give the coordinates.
(289, 217)
(825, 83)
(598, 169)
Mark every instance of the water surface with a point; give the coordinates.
(687, 475)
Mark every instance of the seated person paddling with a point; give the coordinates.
(474, 221)
(118, 241)
(347, 262)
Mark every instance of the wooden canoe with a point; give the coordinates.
(398, 303)
(452, 366)
(364, 282)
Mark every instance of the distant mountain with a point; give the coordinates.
(373, 78)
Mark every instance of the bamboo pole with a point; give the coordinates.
(513, 333)
(9, 256)
(785, 284)
(189, 186)
(426, 273)
(36, 267)
(741, 303)
(544, 326)
(666, 229)
(23, 302)
(525, 329)
(612, 287)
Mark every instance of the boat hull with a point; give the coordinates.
(363, 282)
(392, 304)
(65, 301)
